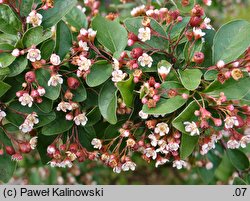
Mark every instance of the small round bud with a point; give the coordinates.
(198, 57)
(10, 150)
(30, 76)
(136, 52)
(73, 83)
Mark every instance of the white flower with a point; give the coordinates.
(118, 75)
(64, 106)
(138, 10)
(162, 129)
(144, 34)
(145, 60)
(164, 70)
(83, 63)
(41, 91)
(179, 164)
(26, 99)
(55, 59)
(230, 122)
(96, 143)
(33, 142)
(83, 45)
(52, 163)
(67, 163)
(206, 147)
(220, 64)
(208, 2)
(80, 119)
(173, 146)
(191, 128)
(34, 18)
(207, 23)
(2, 115)
(116, 64)
(244, 141)
(34, 54)
(153, 139)
(163, 147)
(117, 169)
(209, 166)
(233, 144)
(32, 119)
(83, 9)
(161, 161)
(15, 52)
(129, 165)
(198, 33)
(54, 80)
(143, 115)
(51, 149)
(91, 33)
(25, 127)
(149, 152)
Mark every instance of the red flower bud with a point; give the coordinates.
(136, 52)
(198, 57)
(195, 21)
(30, 76)
(73, 83)
(24, 147)
(10, 150)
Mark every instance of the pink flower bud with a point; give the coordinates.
(157, 85)
(156, 98)
(34, 93)
(197, 113)
(230, 107)
(184, 96)
(130, 42)
(136, 80)
(15, 52)
(69, 117)
(144, 100)
(217, 121)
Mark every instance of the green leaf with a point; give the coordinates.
(211, 75)
(178, 28)
(86, 135)
(46, 106)
(43, 77)
(188, 144)
(18, 66)
(186, 115)
(4, 88)
(7, 166)
(135, 23)
(93, 116)
(63, 39)
(110, 34)
(230, 88)
(9, 23)
(238, 159)
(126, 89)
(207, 47)
(47, 49)
(190, 78)
(99, 73)
(112, 131)
(6, 59)
(169, 105)
(184, 9)
(4, 46)
(107, 102)
(77, 19)
(4, 71)
(239, 181)
(231, 40)
(26, 7)
(190, 50)
(35, 36)
(55, 14)
(58, 126)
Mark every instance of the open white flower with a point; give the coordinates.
(34, 18)
(32, 119)
(26, 99)
(143, 115)
(117, 169)
(207, 23)
(55, 79)
(162, 129)
(118, 75)
(161, 161)
(41, 91)
(191, 128)
(233, 144)
(91, 34)
(33, 142)
(198, 33)
(129, 165)
(83, 63)
(149, 152)
(34, 54)
(145, 60)
(179, 164)
(55, 59)
(83, 45)
(96, 143)
(230, 122)
(2, 115)
(144, 34)
(164, 70)
(26, 127)
(80, 119)
(244, 141)
(116, 64)
(64, 106)
(153, 139)
(173, 146)
(137, 10)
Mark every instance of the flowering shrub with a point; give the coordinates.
(162, 84)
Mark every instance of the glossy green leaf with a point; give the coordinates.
(184, 9)
(77, 19)
(190, 78)
(9, 23)
(35, 36)
(211, 75)
(26, 7)
(55, 14)
(239, 181)
(93, 116)
(47, 49)
(4, 88)
(231, 40)
(6, 59)
(188, 144)
(110, 34)
(86, 135)
(107, 102)
(18, 66)
(238, 159)
(63, 39)
(99, 73)
(126, 89)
